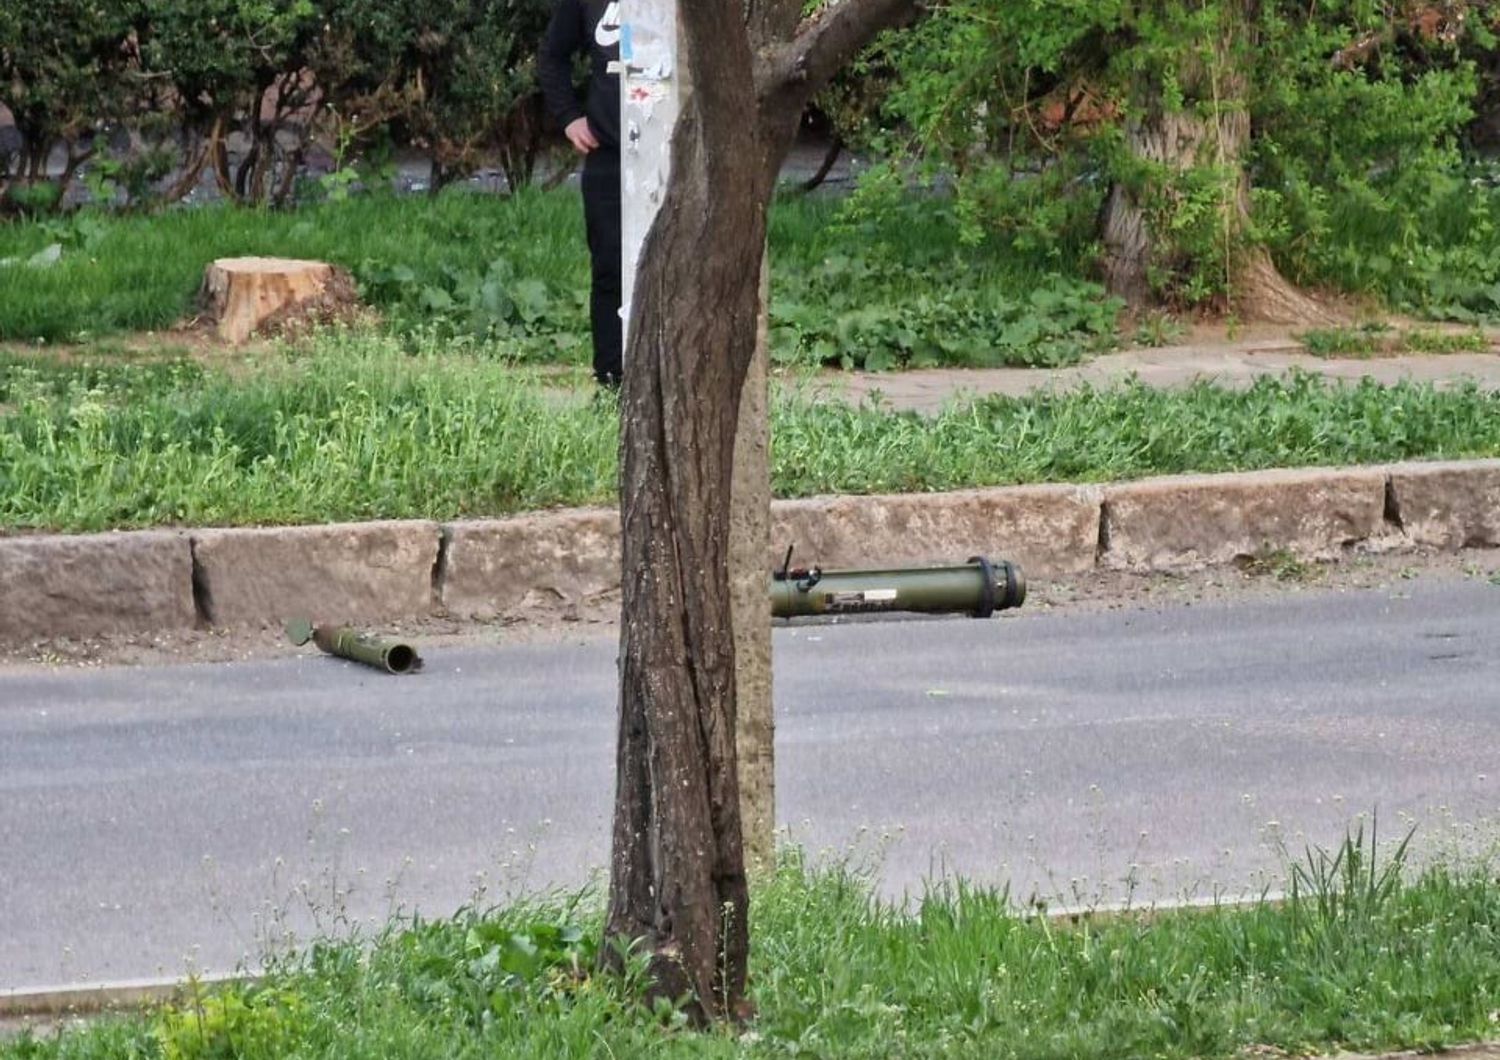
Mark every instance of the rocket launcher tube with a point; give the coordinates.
(978, 588)
(391, 656)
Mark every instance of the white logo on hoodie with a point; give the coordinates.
(607, 32)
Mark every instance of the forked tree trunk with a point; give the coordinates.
(678, 882)
(1178, 141)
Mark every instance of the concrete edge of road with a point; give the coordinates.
(96, 998)
(101, 998)
(142, 582)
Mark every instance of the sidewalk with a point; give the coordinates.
(1227, 364)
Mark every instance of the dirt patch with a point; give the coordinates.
(1483, 1051)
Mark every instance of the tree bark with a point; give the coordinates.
(678, 881)
(678, 874)
(1214, 132)
(750, 548)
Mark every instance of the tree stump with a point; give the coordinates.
(243, 294)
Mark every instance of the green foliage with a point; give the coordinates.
(179, 77)
(135, 273)
(365, 428)
(1370, 956)
(1354, 110)
(232, 1023)
(1361, 182)
(475, 969)
(62, 73)
(1127, 432)
(888, 279)
(856, 314)
(477, 61)
(218, 56)
(880, 287)
(453, 78)
(493, 303)
(1382, 340)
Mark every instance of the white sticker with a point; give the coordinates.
(651, 61)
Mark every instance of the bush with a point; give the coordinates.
(63, 74)
(151, 93)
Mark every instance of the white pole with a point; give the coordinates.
(650, 100)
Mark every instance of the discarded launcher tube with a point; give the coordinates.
(978, 588)
(391, 656)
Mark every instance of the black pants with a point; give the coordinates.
(601, 214)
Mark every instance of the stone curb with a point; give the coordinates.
(351, 572)
(94, 999)
(1208, 520)
(1450, 505)
(95, 583)
(152, 581)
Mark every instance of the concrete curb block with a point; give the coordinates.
(1450, 506)
(153, 581)
(93, 999)
(1048, 530)
(1207, 520)
(95, 583)
(494, 567)
(350, 572)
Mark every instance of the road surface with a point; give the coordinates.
(158, 820)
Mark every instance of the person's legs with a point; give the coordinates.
(601, 211)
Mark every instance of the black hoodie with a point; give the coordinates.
(577, 25)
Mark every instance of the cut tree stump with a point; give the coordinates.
(243, 295)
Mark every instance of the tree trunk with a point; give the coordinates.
(750, 548)
(1214, 132)
(678, 881)
(678, 872)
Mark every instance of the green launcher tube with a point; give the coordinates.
(979, 588)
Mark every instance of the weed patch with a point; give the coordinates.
(895, 291)
(361, 427)
(1381, 340)
(1361, 955)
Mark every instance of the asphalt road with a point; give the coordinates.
(158, 820)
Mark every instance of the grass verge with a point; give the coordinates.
(1357, 957)
(1382, 340)
(359, 428)
(900, 289)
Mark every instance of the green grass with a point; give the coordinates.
(1381, 340)
(1360, 956)
(362, 427)
(143, 272)
(882, 294)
